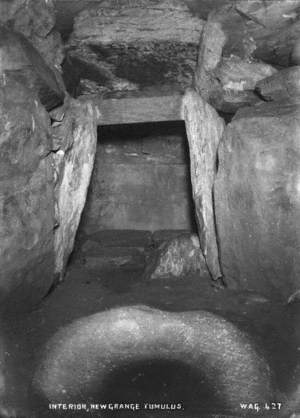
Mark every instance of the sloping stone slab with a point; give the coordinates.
(76, 140)
(204, 130)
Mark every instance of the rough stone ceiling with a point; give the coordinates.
(122, 46)
(67, 9)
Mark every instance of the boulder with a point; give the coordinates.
(236, 86)
(177, 258)
(226, 82)
(282, 86)
(256, 195)
(75, 140)
(241, 43)
(260, 30)
(77, 362)
(27, 195)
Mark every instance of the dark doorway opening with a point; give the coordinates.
(140, 196)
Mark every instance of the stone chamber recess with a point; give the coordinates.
(141, 179)
(149, 208)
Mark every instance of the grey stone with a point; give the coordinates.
(265, 31)
(177, 258)
(76, 139)
(159, 237)
(127, 46)
(94, 248)
(79, 358)
(257, 199)
(204, 131)
(139, 195)
(35, 19)
(22, 63)
(27, 195)
(122, 238)
(295, 54)
(282, 86)
(97, 257)
(114, 261)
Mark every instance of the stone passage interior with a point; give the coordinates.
(141, 179)
(140, 195)
(150, 308)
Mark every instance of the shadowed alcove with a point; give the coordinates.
(141, 179)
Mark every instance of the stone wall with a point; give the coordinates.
(26, 198)
(35, 19)
(141, 179)
(257, 199)
(45, 169)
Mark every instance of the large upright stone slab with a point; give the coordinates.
(257, 199)
(177, 258)
(204, 129)
(75, 140)
(26, 198)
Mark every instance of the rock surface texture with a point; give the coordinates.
(226, 82)
(204, 130)
(22, 63)
(78, 359)
(177, 258)
(31, 50)
(282, 86)
(68, 9)
(75, 140)
(26, 184)
(35, 19)
(257, 199)
(131, 45)
(263, 30)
